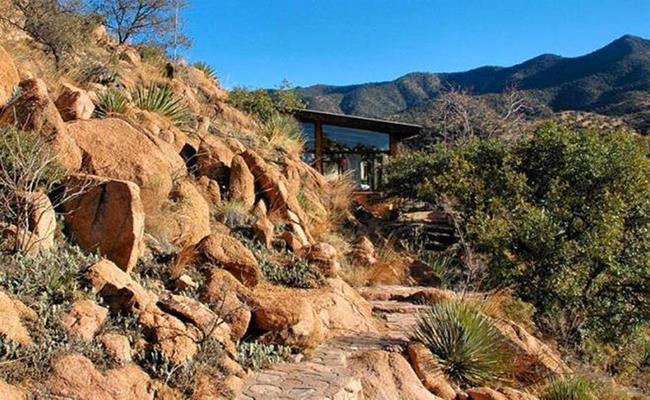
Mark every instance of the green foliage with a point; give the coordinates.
(465, 341)
(568, 388)
(162, 100)
(563, 216)
(111, 101)
(255, 355)
(298, 273)
(281, 130)
(264, 104)
(206, 68)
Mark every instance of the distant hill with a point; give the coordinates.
(613, 81)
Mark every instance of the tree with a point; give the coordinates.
(60, 26)
(151, 21)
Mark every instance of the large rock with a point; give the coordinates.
(324, 257)
(387, 376)
(263, 227)
(33, 110)
(12, 314)
(429, 371)
(108, 216)
(118, 289)
(114, 149)
(230, 254)
(8, 77)
(11, 392)
(184, 220)
(229, 299)
(534, 361)
(117, 346)
(213, 158)
(242, 183)
(75, 377)
(174, 339)
(84, 319)
(485, 393)
(74, 103)
(41, 221)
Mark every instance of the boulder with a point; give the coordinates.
(213, 158)
(242, 182)
(9, 78)
(33, 110)
(12, 314)
(174, 339)
(229, 299)
(75, 377)
(106, 215)
(485, 393)
(74, 103)
(118, 289)
(114, 149)
(230, 254)
(160, 127)
(429, 371)
(513, 394)
(387, 376)
(264, 228)
(210, 190)
(534, 361)
(324, 257)
(117, 347)
(184, 220)
(41, 220)
(11, 392)
(210, 324)
(84, 319)
(292, 241)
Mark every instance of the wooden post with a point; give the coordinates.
(319, 146)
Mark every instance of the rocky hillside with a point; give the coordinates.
(611, 81)
(157, 243)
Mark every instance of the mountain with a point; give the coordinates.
(613, 80)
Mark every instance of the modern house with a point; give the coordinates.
(338, 144)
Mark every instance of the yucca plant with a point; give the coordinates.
(162, 100)
(111, 101)
(283, 131)
(206, 69)
(465, 342)
(567, 388)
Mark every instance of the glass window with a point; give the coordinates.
(309, 134)
(340, 139)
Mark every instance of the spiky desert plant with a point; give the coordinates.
(567, 388)
(282, 131)
(206, 68)
(162, 100)
(111, 101)
(465, 341)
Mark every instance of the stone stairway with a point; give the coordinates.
(325, 374)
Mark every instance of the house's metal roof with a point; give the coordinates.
(351, 121)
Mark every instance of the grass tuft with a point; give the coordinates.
(567, 388)
(111, 101)
(206, 68)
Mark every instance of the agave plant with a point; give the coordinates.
(284, 132)
(111, 101)
(162, 100)
(567, 388)
(206, 69)
(465, 341)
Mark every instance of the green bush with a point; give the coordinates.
(563, 217)
(297, 273)
(464, 340)
(111, 101)
(264, 104)
(162, 100)
(256, 355)
(568, 388)
(206, 68)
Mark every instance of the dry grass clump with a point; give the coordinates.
(391, 268)
(282, 131)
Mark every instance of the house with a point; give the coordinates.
(338, 144)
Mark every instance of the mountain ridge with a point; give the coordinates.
(613, 80)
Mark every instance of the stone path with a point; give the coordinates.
(324, 375)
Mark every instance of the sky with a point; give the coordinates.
(259, 43)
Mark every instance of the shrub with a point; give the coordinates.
(464, 340)
(162, 100)
(563, 217)
(567, 388)
(255, 355)
(297, 273)
(264, 104)
(282, 131)
(111, 101)
(206, 68)
(233, 213)
(98, 73)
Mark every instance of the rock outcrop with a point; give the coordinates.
(74, 103)
(242, 183)
(84, 319)
(8, 77)
(12, 314)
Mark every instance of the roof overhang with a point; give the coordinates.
(399, 129)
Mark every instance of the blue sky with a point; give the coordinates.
(258, 43)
